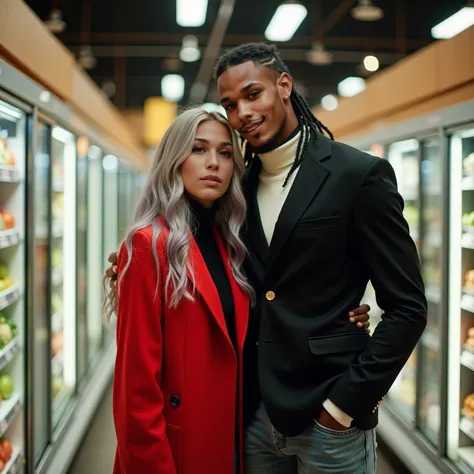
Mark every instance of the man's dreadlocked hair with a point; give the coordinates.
(267, 55)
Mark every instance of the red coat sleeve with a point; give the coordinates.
(140, 426)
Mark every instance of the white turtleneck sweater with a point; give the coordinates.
(271, 196)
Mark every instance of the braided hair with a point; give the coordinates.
(268, 56)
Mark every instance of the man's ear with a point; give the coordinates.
(285, 85)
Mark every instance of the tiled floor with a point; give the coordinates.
(96, 454)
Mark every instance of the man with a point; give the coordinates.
(323, 220)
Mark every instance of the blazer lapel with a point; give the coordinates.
(311, 176)
(255, 235)
(241, 301)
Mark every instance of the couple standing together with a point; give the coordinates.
(238, 349)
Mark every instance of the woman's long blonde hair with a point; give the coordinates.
(164, 195)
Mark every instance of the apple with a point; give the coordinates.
(6, 386)
(57, 385)
(7, 448)
(5, 334)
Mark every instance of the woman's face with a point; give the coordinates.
(208, 170)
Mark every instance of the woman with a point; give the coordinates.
(183, 305)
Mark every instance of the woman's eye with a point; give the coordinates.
(228, 154)
(198, 149)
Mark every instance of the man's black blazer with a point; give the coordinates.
(341, 226)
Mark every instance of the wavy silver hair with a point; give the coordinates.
(164, 195)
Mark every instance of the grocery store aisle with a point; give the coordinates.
(96, 454)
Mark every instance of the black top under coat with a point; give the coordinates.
(206, 241)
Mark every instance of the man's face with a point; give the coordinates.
(253, 97)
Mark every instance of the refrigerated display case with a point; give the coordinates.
(63, 271)
(378, 150)
(404, 157)
(13, 131)
(95, 257)
(81, 257)
(41, 291)
(110, 222)
(433, 270)
(59, 210)
(435, 432)
(110, 202)
(461, 302)
(125, 197)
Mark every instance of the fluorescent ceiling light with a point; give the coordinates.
(366, 11)
(371, 63)
(86, 57)
(94, 152)
(45, 96)
(405, 146)
(318, 56)
(110, 163)
(10, 112)
(329, 102)
(189, 50)
(172, 87)
(286, 20)
(62, 135)
(55, 22)
(455, 24)
(351, 86)
(191, 12)
(467, 133)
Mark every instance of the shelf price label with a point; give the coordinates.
(467, 359)
(7, 353)
(9, 174)
(467, 426)
(3, 427)
(467, 303)
(9, 297)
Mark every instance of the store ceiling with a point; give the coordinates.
(133, 40)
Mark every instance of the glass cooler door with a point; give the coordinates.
(81, 257)
(460, 417)
(13, 143)
(42, 348)
(95, 258)
(404, 157)
(430, 370)
(110, 223)
(63, 271)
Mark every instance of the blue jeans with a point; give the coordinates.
(318, 450)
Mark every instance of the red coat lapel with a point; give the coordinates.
(205, 286)
(207, 289)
